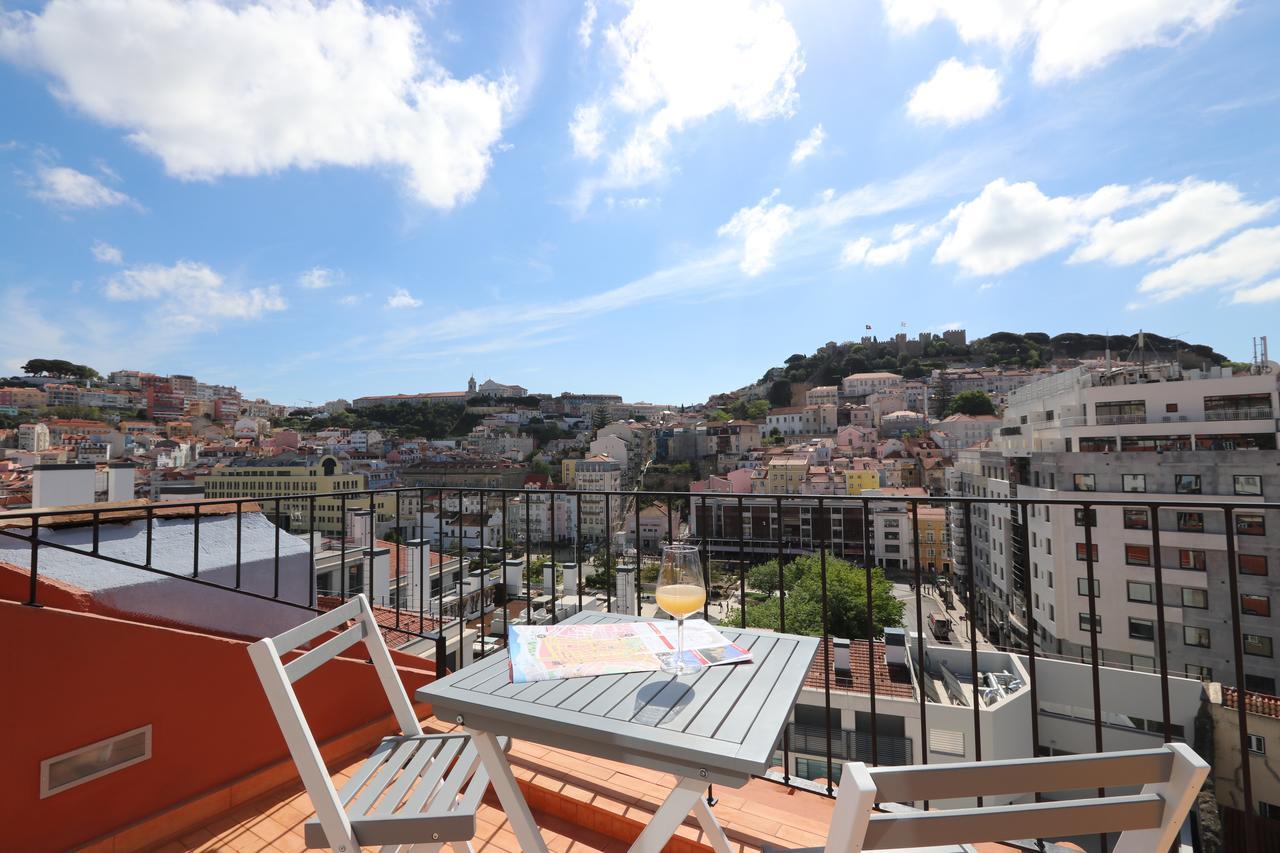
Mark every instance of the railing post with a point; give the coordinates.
(97, 521)
(577, 543)
(1242, 693)
(871, 628)
(1031, 635)
(342, 568)
(1094, 663)
(484, 573)
(742, 566)
(973, 630)
(422, 559)
(1153, 514)
(442, 653)
(552, 494)
(397, 546)
(311, 551)
(915, 557)
(782, 628)
(239, 519)
(608, 551)
(33, 593)
(150, 526)
(276, 559)
(195, 544)
(706, 555)
(504, 567)
(826, 660)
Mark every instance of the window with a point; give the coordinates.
(1084, 483)
(1191, 559)
(1252, 564)
(1191, 522)
(1133, 482)
(1256, 644)
(1259, 684)
(1142, 663)
(1196, 598)
(1137, 555)
(1084, 623)
(1257, 744)
(1255, 605)
(1093, 517)
(1203, 673)
(1248, 484)
(1141, 629)
(1140, 592)
(1171, 407)
(1082, 586)
(1251, 524)
(1195, 636)
(1186, 484)
(1080, 552)
(97, 759)
(1137, 519)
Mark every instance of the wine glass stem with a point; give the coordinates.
(680, 642)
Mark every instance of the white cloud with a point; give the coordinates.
(318, 278)
(1009, 225)
(1234, 263)
(903, 240)
(65, 187)
(955, 94)
(807, 147)
(403, 299)
(1197, 214)
(106, 253)
(192, 294)
(1268, 292)
(587, 25)
(1070, 36)
(350, 299)
(761, 228)
(679, 63)
(585, 131)
(257, 87)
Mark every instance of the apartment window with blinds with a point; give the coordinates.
(1191, 522)
(1186, 484)
(1084, 482)
(1137, 555)
(1251, 524)
(1133, 482)
(1193, 635)
(1082, 587)
(1256, 644)
(1141, 629)
(1136, 519)
(1092, 552)
(1191, 559)
(1197, 599)
(1252, 564)
(1087, 626)
(1140, 592)
(1255, 605)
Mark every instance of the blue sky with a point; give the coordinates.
(658, 199)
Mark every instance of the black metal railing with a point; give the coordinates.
(736, 532)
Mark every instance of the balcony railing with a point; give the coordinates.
(1258, 413)
(728, 555)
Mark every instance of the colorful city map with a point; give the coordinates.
(546, 652)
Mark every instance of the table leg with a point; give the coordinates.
(710, 826)
(684, 798)
(504, 785)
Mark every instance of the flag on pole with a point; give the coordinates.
(868, 328)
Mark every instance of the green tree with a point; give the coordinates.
(780, 393)
(60, 368)
(846, 588)
(973, 402)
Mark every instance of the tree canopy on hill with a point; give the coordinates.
(834, 361)
(59, 368)
(972, 402)
(407, 420)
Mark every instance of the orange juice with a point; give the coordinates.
(681, 599)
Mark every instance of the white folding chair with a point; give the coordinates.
(415, 790)
(1170, 777)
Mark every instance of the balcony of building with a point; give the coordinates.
(152, 607)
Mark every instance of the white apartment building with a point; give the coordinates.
(598, 473)
(858, 385)
(1152, 435)
(801, 420)
(823, 395)
(956, 432)
(33, 437)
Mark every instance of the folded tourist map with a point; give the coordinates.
(546, 652)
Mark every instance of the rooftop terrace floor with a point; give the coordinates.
(581, 803)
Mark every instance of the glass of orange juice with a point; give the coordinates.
(680, 592)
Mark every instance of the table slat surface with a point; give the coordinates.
(726, 720)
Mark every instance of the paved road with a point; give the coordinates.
(930, 604)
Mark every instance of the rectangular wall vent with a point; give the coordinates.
(97, 759)
(946, 742)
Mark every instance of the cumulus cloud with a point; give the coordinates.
(1242, 260)
(1069, 38)
(761, 228)
(403, 299)
(1197, 214)
(64, 187)
(955, 94)
(679, 63)
(106, 253)
(807, 147)
(1008, 225)
(1268, 292)
(318, 278)
(258, 87)
(585, 131)
(192, 294)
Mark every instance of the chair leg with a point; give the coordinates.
(504, 785)
(715, 835)
(669, 816)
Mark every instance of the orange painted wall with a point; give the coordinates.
(77, 678)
